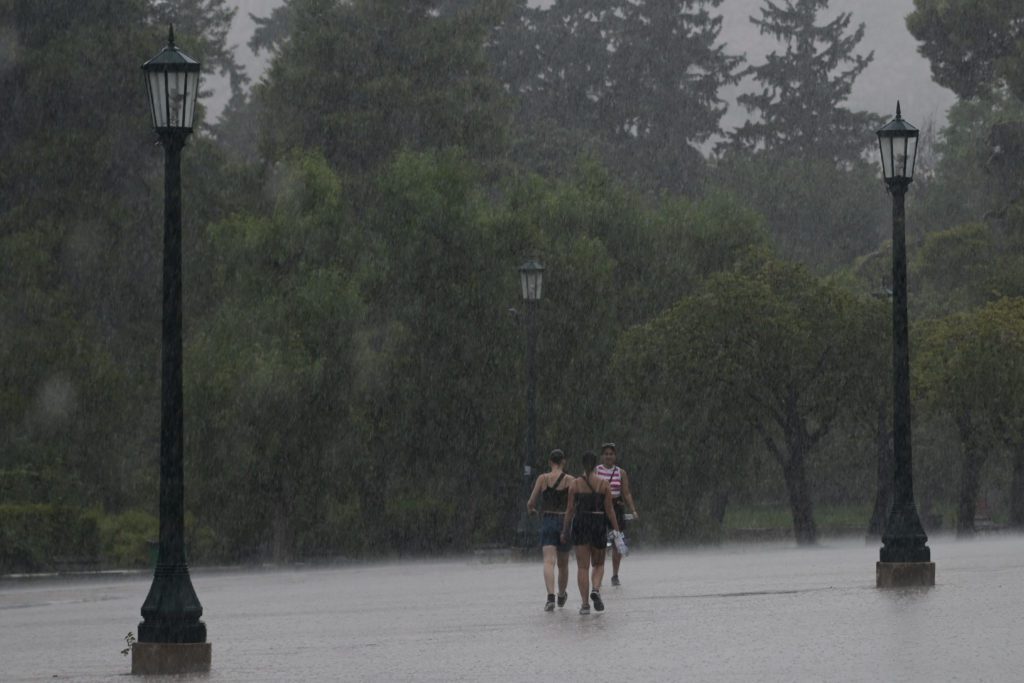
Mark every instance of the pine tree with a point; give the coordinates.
(802, 90)
(634, 80)
(667, 70)
(360, 80)
(975, 46)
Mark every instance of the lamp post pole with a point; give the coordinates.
(905, 558)
(171, 639)
(172, 610)
(904, 539)
(531, 275)
(530, 445)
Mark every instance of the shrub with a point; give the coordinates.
(126, 538)
(35, 538)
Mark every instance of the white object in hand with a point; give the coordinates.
(620, 542)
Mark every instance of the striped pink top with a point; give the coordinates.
(613, 476)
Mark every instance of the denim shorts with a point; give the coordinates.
(551, 532)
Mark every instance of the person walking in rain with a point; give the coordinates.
(618, 481)
(589, 513)
(553, 490)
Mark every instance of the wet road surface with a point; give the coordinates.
(769, 612)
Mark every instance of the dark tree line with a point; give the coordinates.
(354, 358)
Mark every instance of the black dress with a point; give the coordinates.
(589, 522)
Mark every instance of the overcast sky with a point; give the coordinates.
(898, 71)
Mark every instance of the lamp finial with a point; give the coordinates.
(170, 35)
(898, 117)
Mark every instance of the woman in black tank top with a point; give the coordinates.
(553, 490)
(587, 516)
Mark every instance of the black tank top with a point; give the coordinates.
(592, 502)
(553, 500)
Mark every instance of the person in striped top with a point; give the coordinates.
(618, 481)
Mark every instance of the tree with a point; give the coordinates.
(819, 214)
(636, 82)
(79, 198)
(799, 106)
(668, 68)
(776, 350)
(977, 50)
(694, 442)
(804, 144)
(970, 369)
(272, 373)
(974, 46)
(361, 80)
(978, 173)
(444, 410)
(953, 270)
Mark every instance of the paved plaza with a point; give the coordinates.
(767, 612)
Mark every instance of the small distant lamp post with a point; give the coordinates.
(531, 276)
(904, 558)
(171, 637)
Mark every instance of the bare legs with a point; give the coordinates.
(616, 559)
(563, 572)
(597, 576)
(587, 557)
(549, 568)
(551, 558)
(583, 572)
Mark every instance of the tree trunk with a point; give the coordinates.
(970, 481)
(795, 474)
(804, 529)
(886, 472)
(280, 536)
(719, 502)
(1017, 490)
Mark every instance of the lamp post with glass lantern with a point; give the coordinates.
(531, 276)
(904, 558)
(171, 637)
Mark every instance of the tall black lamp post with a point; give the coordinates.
(171, 611)
(531, 276)
(904, 558)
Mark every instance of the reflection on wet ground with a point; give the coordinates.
(736, 613)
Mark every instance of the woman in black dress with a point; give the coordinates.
(587, 517)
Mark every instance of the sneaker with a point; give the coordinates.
(549, 606)
(595, 598)
(615, 581)
(585, 609)
(562, 597)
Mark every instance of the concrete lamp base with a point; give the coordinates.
(160, 659)
(904, 574)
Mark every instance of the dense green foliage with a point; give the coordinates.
(974, 46)
(354, 365)
(635, 82)
(803, 141)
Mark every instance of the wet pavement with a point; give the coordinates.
(768, 612)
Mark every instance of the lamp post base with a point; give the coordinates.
(168, 659)
(904, 574)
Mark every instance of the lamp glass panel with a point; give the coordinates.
(899, 157)
(531, 281)
(157, 99)
(911, 156)
(177, 92)
(192, 91)
(885, 146)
